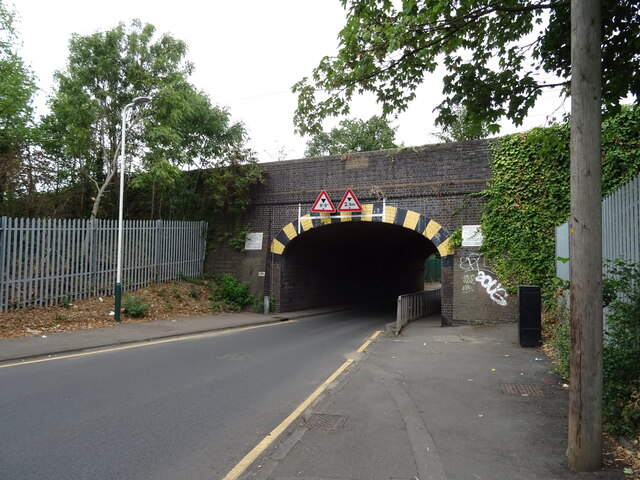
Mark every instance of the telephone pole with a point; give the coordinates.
(585, 390)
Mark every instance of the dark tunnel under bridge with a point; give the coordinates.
(373, 255)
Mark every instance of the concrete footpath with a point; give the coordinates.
(458, 403)
(434, 403)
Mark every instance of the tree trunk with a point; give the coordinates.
(585, 391)
(99, 195)
(111, 171)
(102, 188)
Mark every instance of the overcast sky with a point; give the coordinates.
(247, 55)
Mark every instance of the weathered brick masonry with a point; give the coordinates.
(434, 180)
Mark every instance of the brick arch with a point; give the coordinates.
(409, 219)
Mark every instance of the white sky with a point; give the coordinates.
(247, 55)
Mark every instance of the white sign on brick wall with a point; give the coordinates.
(253, 241)
(472, 236)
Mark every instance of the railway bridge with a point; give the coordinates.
(412, 200)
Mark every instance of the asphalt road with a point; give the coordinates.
(188, 409)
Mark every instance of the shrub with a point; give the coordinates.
(194, 292)
(134, 306)
(215, 306)
(621, 349)
(66, 301)
(621, 375)
(258, 304)
(561, 344)
(234, 294)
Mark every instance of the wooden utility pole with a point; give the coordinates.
(585, 391)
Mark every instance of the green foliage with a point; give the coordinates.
(238, 242)
(258, 304)
(353, 136)
(554, 298)
(530, 192)
(456, 237)
(462, 128)
(619, 49)
(228, 185)
(620, 148)
(194, 292)
(621, 365)
(556, 326)
(135, 305)
(179, 130)
(493, 65)
(216, 306)
(17, 88)
(230, 293)
(621, 353)
(66, 301)
(527, 197)
(561, 343)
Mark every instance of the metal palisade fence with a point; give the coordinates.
(620, 229)
(621, 223)
(50, 261)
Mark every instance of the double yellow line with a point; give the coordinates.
(251, 457)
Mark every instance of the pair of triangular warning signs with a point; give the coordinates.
(349, 203)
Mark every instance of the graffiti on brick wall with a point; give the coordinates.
(477, 271)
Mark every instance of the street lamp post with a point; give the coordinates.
(118, 285)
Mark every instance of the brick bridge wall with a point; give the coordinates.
(433, 180)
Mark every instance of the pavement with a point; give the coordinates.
(438, 403)
(16, 349)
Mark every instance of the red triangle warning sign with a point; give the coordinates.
(349, 203)
(323, 204)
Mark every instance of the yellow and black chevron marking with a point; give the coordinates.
(393, 215)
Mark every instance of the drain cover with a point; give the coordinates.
(522, 390)
(323, 421)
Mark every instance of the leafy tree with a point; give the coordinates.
(494, 53)
(462, 128)
(215, 194)
(353, 136)
(181, 129)
(17, 87)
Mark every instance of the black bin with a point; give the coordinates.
(530, 320)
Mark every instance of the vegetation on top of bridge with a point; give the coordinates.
(353, 136)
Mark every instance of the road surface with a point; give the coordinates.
(187, 409)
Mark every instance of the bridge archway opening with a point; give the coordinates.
(354, 259)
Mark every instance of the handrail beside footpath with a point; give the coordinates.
(416, 305)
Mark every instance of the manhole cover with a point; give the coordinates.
(323, 421)
(522, 390)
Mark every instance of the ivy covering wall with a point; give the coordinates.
(530, 194)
